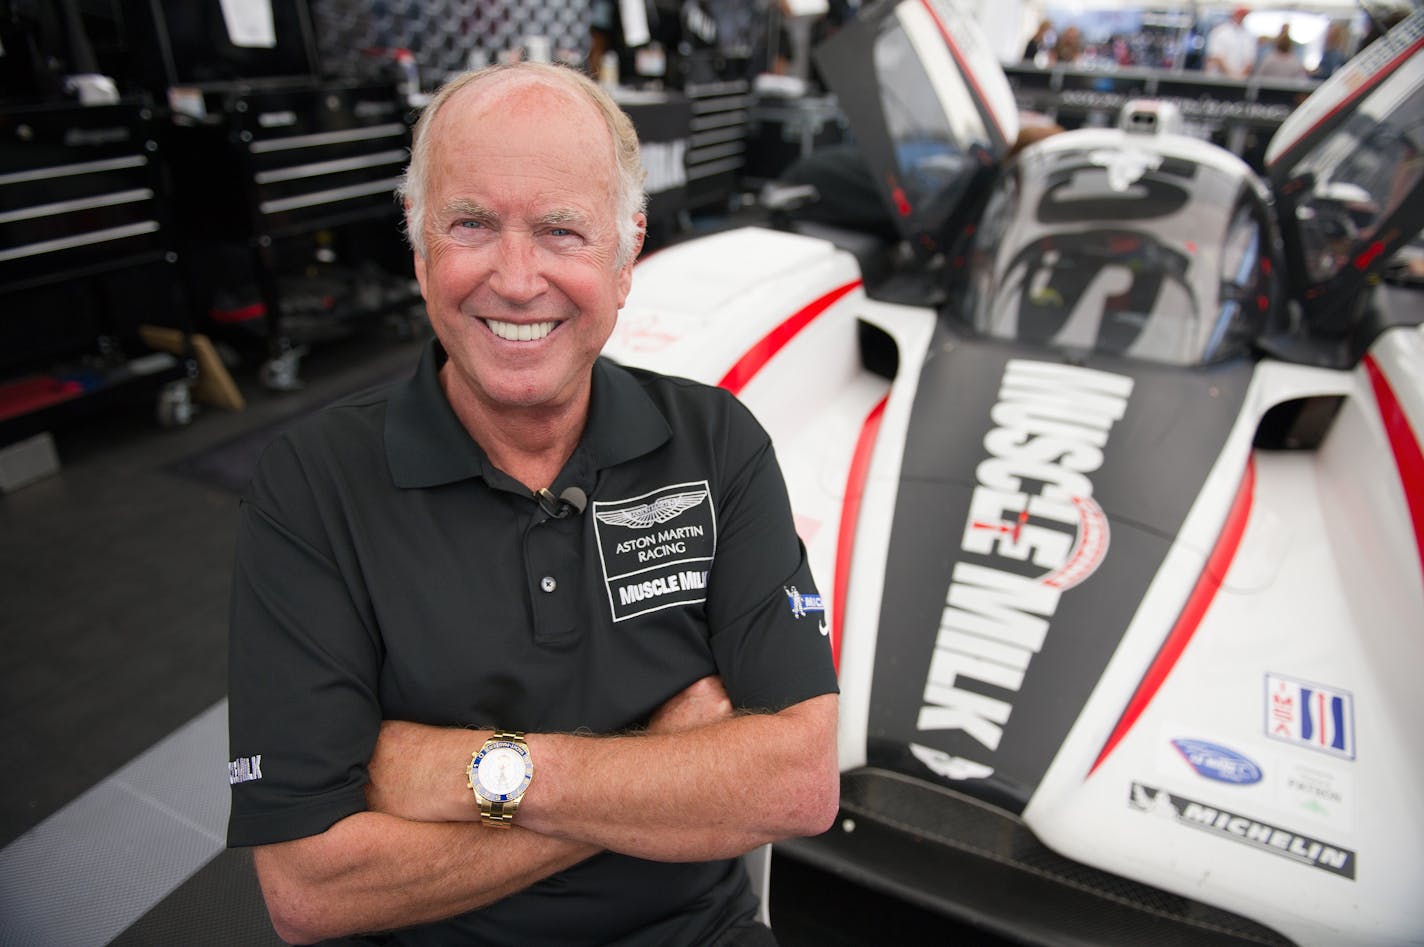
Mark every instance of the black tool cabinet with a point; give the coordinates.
(86, 257)
(717, 148)
(287, 207)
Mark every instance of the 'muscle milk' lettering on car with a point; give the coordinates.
(1032, 515)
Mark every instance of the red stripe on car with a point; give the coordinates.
(758, 355)
(1404, 441)
(1192, 613)
(850, 515)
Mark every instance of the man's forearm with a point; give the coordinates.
(711, 791)
(374, 872)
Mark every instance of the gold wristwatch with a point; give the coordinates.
(499, 774)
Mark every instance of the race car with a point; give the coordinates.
(1109, 469)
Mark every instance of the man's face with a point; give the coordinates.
(520, 275)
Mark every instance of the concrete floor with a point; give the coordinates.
(114, 580)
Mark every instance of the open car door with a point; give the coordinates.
(1347, 169)
(934, 117)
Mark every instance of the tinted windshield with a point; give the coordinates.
(1125, 250)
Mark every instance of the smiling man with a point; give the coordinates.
(452, 721)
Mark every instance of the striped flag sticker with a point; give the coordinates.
(1313, 715)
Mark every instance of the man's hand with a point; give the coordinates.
(704, 702)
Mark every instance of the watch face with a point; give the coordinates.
(502, 771)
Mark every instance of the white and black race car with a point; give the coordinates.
(1110, 472)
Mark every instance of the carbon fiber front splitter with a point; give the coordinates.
(953, 855)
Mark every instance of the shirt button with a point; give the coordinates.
(548, 584)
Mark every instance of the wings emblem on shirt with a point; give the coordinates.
(659, 511)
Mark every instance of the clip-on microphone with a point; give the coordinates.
(569, 503)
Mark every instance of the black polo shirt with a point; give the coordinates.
(385, 569)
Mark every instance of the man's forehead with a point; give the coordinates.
(550, 213)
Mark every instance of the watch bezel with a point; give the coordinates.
(478, 785)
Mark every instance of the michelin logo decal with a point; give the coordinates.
(803, 603)
(657, 548)
(1239, 828)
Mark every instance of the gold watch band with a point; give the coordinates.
(498, 814)
(495, 813)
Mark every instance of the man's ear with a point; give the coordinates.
(640, 221)
(419, 259)
(625, 275)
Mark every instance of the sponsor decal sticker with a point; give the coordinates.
(802, 605)
(647, 332)
(950, 767)
(1320, 717)
(1033, 520)
(656, 549)
(1248, 831)
(1317, 792)
(244, 769)
(1217, 762)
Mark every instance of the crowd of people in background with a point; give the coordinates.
(1231, 47)
(1228, 49)
(1052, 47)
(1280, 59)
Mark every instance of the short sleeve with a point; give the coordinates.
(303, 708)
(768, 630)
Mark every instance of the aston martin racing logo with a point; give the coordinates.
(657, 548)
(660, 510)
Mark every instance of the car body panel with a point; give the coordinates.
(1159, 607)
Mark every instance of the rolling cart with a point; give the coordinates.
(86, 260)
(289, 214)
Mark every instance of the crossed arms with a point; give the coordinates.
(702, 782)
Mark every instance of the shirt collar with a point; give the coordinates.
(426, 445)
